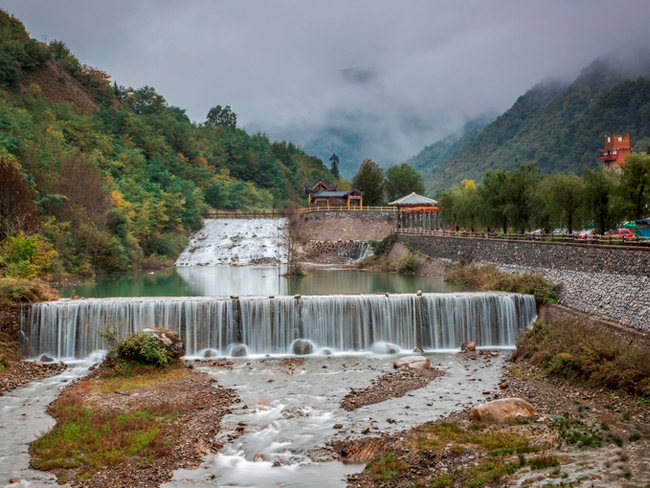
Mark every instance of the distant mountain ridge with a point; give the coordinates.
(558, 125)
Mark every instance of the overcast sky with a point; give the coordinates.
(413, 69)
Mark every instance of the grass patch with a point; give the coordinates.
(385, 468)
(85, 441)
(585, 357)
(542, 462)
(15, 291)
(137, 376)
(435, 437)
(489, 278)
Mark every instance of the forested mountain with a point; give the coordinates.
(105, 175)
(429, 160)
(558, 126)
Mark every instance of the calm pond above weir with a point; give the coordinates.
(253, 281)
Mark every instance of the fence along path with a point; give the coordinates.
(638, 243)
(269, 214)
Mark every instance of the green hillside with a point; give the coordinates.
(101, 177)
(433, 157)
(560, 127)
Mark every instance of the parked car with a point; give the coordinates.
(620, 233)
(535, 233)
(559, 231)
(586, 234)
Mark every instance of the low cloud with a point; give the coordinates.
(401, 74)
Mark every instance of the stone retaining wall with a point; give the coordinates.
(583, 258)
(611, 283)
(359, 226)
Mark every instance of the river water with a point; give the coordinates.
(253, 281)
(287, 418)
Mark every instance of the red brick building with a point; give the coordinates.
(616, 150)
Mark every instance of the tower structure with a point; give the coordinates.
(616, 150)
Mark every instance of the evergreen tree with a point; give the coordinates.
(335, 166)
(370, 180)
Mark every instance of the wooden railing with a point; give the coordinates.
(574, 239)
(241, 214)
(344, 208)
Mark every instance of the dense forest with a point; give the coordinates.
(96, 177)
(557, 126)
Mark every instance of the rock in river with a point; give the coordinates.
(500, 411)
(385, 348)
(302, 347)
(414, 362)
(468, 346)
(168, 338)
(238, 350)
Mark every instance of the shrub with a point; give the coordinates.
(586, 356)
(141, 348)
(13, 291)
(382, 246)
(26, 256)
(407, 263)
(489, 278)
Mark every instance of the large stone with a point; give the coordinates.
(468, 346)
(168, 338)
(47, 359)
(210, 353)
(500, 411)
(414, 362)
(238, 350)
(301, 347)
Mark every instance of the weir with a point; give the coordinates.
(269, 325)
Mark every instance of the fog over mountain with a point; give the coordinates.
(378, 78)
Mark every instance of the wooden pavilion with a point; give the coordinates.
(417, 211)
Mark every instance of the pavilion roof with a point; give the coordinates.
(414, 199)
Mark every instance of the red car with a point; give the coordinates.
(620, 233)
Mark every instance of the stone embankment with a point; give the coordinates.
(606, 281)
(355, 226)
(348, 249)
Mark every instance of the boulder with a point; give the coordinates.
(46, 359)
(168, 338)
(301, 347)
(238, 350)
(385, 348)
(414, 362)
(418, 350)
(500, 411)
(468, 346)
(210, 353)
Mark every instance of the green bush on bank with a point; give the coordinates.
(488, 278)
(578, 353)
(139, 348)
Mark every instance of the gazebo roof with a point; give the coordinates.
(414, 199)
(335, 194)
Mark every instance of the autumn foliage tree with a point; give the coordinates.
(17, 209)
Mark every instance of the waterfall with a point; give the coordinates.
(71, 328)
(349, 249)
(236, 241)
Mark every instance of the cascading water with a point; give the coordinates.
(269, 325)
(236, 241)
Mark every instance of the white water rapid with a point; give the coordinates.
(269, 325)
(236, 241)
